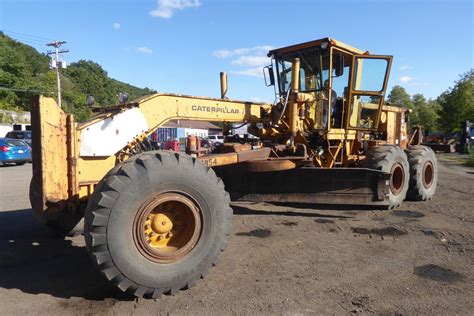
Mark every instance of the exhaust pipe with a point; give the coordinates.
(223, 77)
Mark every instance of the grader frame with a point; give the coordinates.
(79, 155)
(315, 145)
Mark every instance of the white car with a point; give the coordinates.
(215, 139)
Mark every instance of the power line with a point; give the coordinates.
(26, 39)
(34, 37)
(23, 90)
(29, 42)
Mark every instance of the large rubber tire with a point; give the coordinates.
(111, 216)
(423, 173)
(20, 163)
(391, 159)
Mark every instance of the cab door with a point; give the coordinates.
(367, 88)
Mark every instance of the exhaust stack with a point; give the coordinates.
(223, 76)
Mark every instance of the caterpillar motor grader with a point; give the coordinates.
(156, 221)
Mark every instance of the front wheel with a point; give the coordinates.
(157, 223)
(391, 159)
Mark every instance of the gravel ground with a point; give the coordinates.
(417, 259)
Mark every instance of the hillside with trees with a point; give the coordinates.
(25, 72)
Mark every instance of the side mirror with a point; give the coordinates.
(269, 76)
(338, 64)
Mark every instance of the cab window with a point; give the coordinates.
(314, 70)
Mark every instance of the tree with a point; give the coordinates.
(425, 113)
(457, 103)
(24, 72)
(400, 97)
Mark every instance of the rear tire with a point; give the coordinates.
(391, 159)
(20, 163)
(423, 173)
(127, 223)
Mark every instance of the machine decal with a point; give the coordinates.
(213, 109)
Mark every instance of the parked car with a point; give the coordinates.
(215, 139)
(23, 135)
(14, 151)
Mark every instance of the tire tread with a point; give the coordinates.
(103, 200)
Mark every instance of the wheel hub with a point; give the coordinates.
(428, 174)
(160, 223)
(397, 179)
(167, 227)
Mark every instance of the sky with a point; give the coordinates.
(180, 46)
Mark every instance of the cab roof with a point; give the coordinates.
(332, 42)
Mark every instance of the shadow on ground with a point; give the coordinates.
(315, 206)
(35, 260)
(243, 210)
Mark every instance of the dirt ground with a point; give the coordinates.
(418, 259)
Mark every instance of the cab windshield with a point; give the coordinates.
(314, 70)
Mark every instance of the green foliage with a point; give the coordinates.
(457, 103)
(91, 79)
(24, 72)
(423, 113)
(400, 97)
(20, 66)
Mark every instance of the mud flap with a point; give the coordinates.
(353, 186)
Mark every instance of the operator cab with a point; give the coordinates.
(347, 85)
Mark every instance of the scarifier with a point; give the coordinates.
(156, 221)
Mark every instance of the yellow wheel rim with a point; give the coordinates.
(167, 227)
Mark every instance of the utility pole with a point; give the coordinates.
(56, 63)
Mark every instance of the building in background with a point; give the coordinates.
(14, 120)
(180, 129)
(241, 129)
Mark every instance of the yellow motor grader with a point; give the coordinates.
(156, 221)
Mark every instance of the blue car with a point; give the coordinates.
(14, 151)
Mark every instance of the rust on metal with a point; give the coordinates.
(275, 164)
(235, 157)
(397, 178)
(428, 174)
